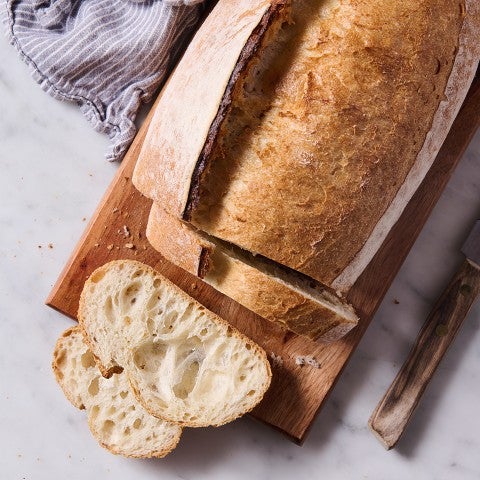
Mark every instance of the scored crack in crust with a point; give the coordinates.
(200, 80)
(263, 34)
(115, 417)
(184, 363)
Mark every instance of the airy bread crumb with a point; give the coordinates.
(302, 360)
(184, 364)
(117, 420)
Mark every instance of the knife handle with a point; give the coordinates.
(390, 417)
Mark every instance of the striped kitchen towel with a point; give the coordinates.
(108, 56)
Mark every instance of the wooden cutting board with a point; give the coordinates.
(117, 230)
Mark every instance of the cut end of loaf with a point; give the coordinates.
(117, 420)
(279, 295)
(185, 364)
(275, 293)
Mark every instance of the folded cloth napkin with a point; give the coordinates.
(108, 56)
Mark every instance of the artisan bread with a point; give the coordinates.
(117, 420)
(184, 363)
(308, 147)
(271, 292)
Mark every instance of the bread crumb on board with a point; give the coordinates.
(277, 360)
(302, 360)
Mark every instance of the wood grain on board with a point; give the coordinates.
(116, 231)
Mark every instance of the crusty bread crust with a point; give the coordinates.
(382, 86)
(358, 94)
(200, 80)
(252, 287)
(104, 354)
(178, 242)
(462, 74)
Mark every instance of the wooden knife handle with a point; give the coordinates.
(390, 417)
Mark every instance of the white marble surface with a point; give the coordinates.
(52, 176)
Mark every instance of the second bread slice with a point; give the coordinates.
(184, 363)
(116, 419)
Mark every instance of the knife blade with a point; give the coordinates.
(392, 414)
(471, 247)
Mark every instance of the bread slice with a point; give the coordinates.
(117, 420)
(324, 130)
(272, 292)
(179, 242)
(184, 363)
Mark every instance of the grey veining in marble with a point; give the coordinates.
(53, 175)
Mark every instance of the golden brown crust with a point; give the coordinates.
(262, 294)
(329, 127)
(261, 35)
(324, 151)
(178, 242)
(463, 72)
(276, 301)
(163, 171)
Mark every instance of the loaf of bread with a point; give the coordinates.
(116, 418)
(301, 132)
(184, 364)
(273, 293)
